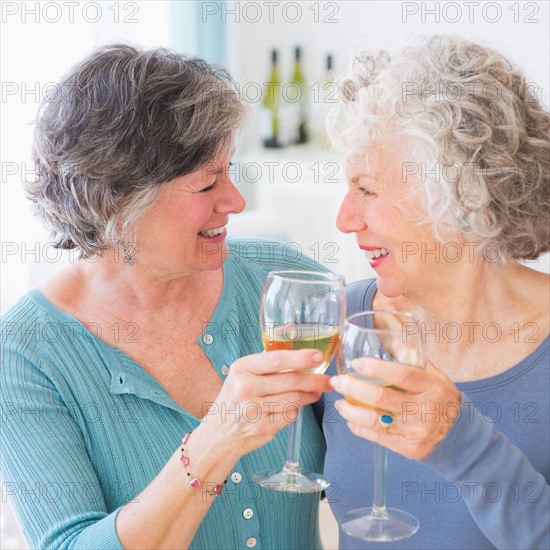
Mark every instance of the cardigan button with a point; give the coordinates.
(236, 477)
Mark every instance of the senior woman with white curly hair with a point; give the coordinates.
(109, 365)
(448, 163)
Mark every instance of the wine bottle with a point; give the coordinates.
(329, 97)
(298, 80)
(271, 103)
(324, 94)
(329, 75)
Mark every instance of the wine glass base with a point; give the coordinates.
(292, 480)
(365, 524)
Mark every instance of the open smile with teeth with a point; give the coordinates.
(212, 232)
(372, 254)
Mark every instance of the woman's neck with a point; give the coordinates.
(131, 289)
(476, 326)
(489, 293)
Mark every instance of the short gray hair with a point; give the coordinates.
(117, 126)
(461, 104)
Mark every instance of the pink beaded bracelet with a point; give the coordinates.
(195, 482)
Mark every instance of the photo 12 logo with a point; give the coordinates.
(472, 331)
(269, 12)
(470, 12)
(271, 172)
(69, 12)
(469, 491)
(260, 252)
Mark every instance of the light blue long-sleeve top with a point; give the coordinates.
(484, 486)
(85, 428)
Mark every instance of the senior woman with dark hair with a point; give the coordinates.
(448, 163)
(116, 360)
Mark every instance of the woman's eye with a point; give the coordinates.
(366, 192)
(209, 188)
(220, 177)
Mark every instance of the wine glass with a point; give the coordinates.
(390, 336)
(299, 310)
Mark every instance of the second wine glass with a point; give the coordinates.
(299, 310)
(392, 336)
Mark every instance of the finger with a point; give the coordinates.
(392, 441)
(279, 404)
(277, 415)
(275, 384)
(362, 416)
(281, 420)
(372, 395)
(371, 418)
(278, 361)
(395, 442)
(405, 377)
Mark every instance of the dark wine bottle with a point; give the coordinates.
(299, 82)
(271, 104)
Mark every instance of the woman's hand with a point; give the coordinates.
(261, 395)
(423, 408)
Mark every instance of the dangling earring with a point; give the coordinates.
(127, 250)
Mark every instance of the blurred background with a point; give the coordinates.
(293, 192)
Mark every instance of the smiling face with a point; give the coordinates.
(382, 207)
(186, 224)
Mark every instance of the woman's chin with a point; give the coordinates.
(389, 287)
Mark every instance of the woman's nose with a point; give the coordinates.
(349, 218)
(232, 201)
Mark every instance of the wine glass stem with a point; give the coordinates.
(380, 466)
(294, 439)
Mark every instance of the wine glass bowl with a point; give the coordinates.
(392, 336)
(300, 310)
(322, 336)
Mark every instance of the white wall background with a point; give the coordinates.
(40, 40)
(517, 29)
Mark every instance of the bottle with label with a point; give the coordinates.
(329, 74)
(271, 104)
(329, 98)
(300, 99)
(324, 94)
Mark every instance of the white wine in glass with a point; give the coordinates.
(392, 336)
(300, 310)
(322, 336)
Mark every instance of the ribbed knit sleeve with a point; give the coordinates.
(46, 469)
(475, 453)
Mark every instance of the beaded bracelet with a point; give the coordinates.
(195, 482)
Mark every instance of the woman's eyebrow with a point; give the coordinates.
(214, 169)
(355, 179)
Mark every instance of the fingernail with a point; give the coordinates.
(317, 356)
(335, 382)
(359, 365)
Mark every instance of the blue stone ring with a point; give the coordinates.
(386, 420)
